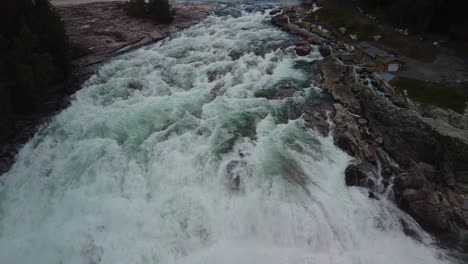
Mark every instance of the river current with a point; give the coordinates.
(172, 153)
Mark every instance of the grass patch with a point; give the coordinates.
(440, 95)
(353, 25)
(336, 16)
(407, 47)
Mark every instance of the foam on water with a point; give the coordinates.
(135, 170)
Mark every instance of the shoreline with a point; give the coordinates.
(98, 31)
(418, 151)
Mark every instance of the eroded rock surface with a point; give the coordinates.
(430, 148)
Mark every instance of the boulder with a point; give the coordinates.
(347, 135)
(302, 48)
(339, 81)
(355, 176)
(275, 11)
(411, 195)
(316, 114)
(234, 177)
(325, 50)
(280, 20)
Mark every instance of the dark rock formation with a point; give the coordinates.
(355, 176)
(431, 154)
(303, 48)
(101, 30)
(325, 50)
(422, 149)
(316, 115)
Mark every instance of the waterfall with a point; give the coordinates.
(185, 152)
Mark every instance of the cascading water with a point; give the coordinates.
(169, 155)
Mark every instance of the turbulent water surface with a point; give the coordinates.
(173, 154)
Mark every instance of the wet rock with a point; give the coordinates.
(234, 175)
(455, 199)
(362, 121)
(316, 115)
(217, 90)
(414, 195)
(373, 196)
(339, 81)
(432, 215)
(302, 48)
(379, 141)
(432, 153)
(325, 51)
(280, 20)
(354, 176)
(415, 181)
(410, 230)
(135, 85)
(406, 135)
(347, 135)
(430, 146)
(275, 11)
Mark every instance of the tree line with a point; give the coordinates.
(446, 17)
(34, 52)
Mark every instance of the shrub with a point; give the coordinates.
(137, 8)
(161, 11)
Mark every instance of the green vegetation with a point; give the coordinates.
(34, 52)
(335, 14)
(159, 10)
(339, 18)
(422, 16)
(440, 95)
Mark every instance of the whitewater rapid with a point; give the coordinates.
(140, 167)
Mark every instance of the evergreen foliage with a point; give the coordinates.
(422, 16)
(159, 10)
(34, 51)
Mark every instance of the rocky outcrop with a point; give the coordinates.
(318, 114)
(100, 30)
(430, 148)
(423, 151)
(303, 48)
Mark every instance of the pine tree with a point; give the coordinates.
(161, 11)
(34, 51)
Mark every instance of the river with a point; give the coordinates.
(173, 154)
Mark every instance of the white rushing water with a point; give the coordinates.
(135, 170)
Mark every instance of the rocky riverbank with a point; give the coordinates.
(102, 30)
(97, 31)
(414, 154)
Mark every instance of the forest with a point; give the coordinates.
(34, 56)
(447, 17)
